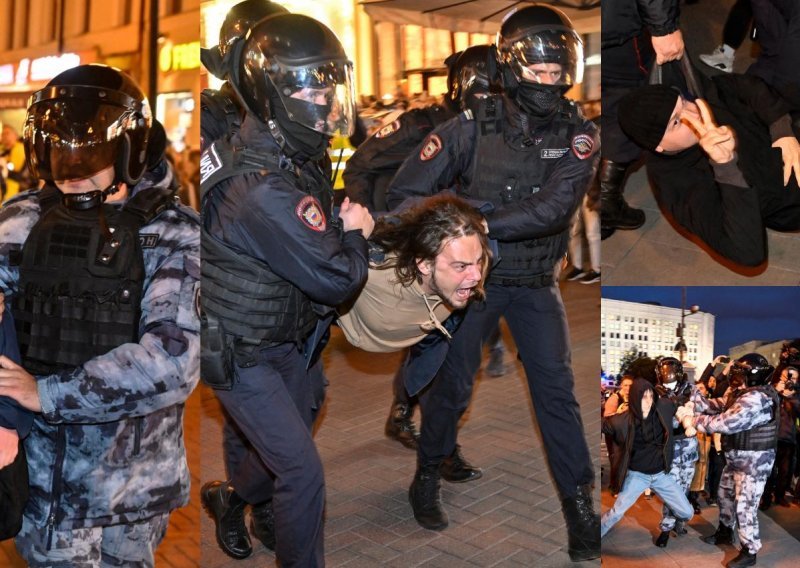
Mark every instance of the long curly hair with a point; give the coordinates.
(422, 232)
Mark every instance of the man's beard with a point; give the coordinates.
(434, 285)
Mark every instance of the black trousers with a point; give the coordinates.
(538, 323)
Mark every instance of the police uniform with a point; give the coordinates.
(684, 452)
(375, 162)
(219, 115)
(272, 259)
(749, 422)
(112, 334)
(535, 177)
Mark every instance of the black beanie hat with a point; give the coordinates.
(644, 114)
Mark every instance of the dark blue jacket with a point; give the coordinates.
(12, 415)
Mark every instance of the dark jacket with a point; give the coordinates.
(625, 19)
(728, 206)
(621, 427)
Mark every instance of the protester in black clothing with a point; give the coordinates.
(723, 184)
(781, 477)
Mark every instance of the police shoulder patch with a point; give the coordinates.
(310, 213)
(210, 162)
(388, 130)
(582, 146)
(431, 147)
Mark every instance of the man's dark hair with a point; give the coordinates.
(420, 233)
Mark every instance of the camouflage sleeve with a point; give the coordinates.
(749, 411)
(160, 370)
(17, 217)
(703, 405)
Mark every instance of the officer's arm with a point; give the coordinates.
(746, 413)
(289, 231)
(660, 16)
(435, 164)
(159, 371)
(550, 210)
(769, 106)
(17, 218)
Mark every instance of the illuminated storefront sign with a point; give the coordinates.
(179, 57)
(39, 69)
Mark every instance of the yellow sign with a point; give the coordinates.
(179, 57)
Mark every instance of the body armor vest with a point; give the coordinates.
(761, 438)
(241, 294)
(80, 288)
(219, 114)
(502, 175)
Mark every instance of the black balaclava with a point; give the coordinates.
(539, 101)
(302, 143)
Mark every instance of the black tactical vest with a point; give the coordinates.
(761, 438)
(80, 291)
(243, 295)
(219, 115)
(503, 174)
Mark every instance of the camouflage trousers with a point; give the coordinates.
(684, 458)
(131, 545)
(740, 490)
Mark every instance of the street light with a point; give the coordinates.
(680, 347)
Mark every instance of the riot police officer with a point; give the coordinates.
(102, 266)
(672, 384)
(274, 260)
(531, 155)
(748, 420)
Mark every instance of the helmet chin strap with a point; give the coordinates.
(89, 199)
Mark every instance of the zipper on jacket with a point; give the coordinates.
(55, 490)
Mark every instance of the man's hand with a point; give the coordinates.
(9, 445)
(717, 141)
(2, 305)
(668, 47)
(790, 149)
(355, 216)
(19, 384)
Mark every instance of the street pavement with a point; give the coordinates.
(657, 252)
(511, 517)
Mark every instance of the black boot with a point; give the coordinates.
(495, 367)
(400, 427)
(615, 213)
(262, 524)
(424, 496)
(583, 525)
(724, 535)
(662, 539)
(456, 469)
(743, 559)
(693, 496)
(227, 509)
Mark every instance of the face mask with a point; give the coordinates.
(538, 100)
(303, 142)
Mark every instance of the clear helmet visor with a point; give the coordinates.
(320, 97)
(546, 57)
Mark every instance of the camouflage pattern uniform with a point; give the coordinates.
(116, 422)
(745, 472)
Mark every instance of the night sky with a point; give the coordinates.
(743, 313)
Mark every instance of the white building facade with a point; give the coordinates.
(652, 330)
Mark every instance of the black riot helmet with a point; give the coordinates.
(669, 370)
(297, 63)
(541, 55)
(468, 76)
(752, 370)
(86, 119)
(242, 17)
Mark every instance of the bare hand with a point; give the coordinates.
(2, 305)
(9, 445)
(717, 141)
(355, 216)
(19, 384)
(790, 149)
(669, 47)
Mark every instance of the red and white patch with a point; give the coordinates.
(582, 146)
(310, 213)
(388, 130)
(432, 146)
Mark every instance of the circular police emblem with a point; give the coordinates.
(432, 146)
(310, 213)
(582, 146)
(388, 130)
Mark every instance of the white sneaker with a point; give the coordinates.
(721, 58)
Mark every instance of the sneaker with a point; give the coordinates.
(591, 277)
(575, 274)
(721, 58)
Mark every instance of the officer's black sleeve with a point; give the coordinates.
(436, 163)
(725, 216)
(660, 16)
(550, 210)
(288, 230)
(759, 97)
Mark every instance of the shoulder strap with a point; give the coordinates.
(222, 160)
(489, 115)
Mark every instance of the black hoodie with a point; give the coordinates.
(646, 442)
